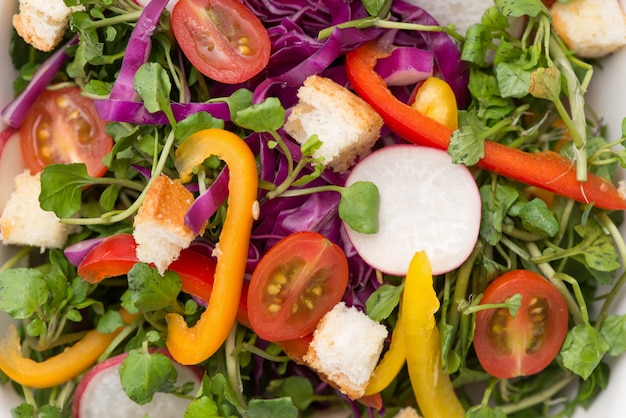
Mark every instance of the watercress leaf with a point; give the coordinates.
(62, 187)
(614, 332)
(496, 202)
(22, 292)
(494, 20)
(484, 411)
(267, 116)
(545, 83)
(383, 301)
(272, 408)
(202, 407)
(538, 219)
(24, 410)
(359, 206)
(376, 7)
(196, 122)
(150, 291)
(583, 349)
(299, 389)
(239, 100)
(109, 196)
(477, 43)
(517, 8)
(143, 374)
(153, 84)
(49, 411)
(109, 322)
(513, 80)
(597, 247)
(36, 327)
(467, 144)
(311, 146)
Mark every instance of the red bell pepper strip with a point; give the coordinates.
(115, 256)
(547, 170)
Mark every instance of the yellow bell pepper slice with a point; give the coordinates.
(436, 100)
(391, 363)
(198, 343)
(431, 385)
(59, 369)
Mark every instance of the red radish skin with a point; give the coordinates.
(427, 203)
(100, 394)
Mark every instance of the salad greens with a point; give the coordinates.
(522, 91)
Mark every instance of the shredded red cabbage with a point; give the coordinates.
(405, 66)
(137, 51)
(13, 114)
(135, 112)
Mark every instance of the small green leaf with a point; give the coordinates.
(538, 219)
(196, 122)
(272, 408)
(109, 322)
(149, 291)
(545, 83)
(583, 349)
(153, 84)
(143, 374)
(267, 116)
(383, 301)
(614, 332)
(203, 407)
(62, 188)
(22, 292)
(513, 79)
(359, 206)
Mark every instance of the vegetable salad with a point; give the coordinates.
(194, 98)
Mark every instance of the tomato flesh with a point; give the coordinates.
(527, 343)
(295, 283)
(223, 39)
(64, 127)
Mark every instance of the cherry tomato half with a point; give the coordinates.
(295, 283)
(528, 342)
(64, 127)
(223, 39)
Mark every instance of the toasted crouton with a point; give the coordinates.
(23, 222)
(590, 28)
(42, 23)
(346, 125)
(160, 230)
(345, 349)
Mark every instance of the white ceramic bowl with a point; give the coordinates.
(607, 94)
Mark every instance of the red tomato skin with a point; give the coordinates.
(223, 39)
(519, 362)
(64, 127)
(313, 255)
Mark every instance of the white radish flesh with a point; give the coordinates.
(426, 203)
(100, 394)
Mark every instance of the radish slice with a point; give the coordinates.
(100, 393)
(426, 203)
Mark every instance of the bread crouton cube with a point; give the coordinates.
(42, 23)
(159, 226)
(346, 125)
(590, 28)
(345, 349)
(24, 222)
(407, 412)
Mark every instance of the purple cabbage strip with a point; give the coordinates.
(447, 54)
(135, 112)
(75, 253)
(137, 51)
(207, 203)
(405, 66)
(14, 113)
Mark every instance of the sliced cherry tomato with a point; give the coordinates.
(528, 342)
(295, 283)
(223, 39)
(64, 127)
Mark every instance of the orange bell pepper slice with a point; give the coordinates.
(198, 343)
(547, 170)
(61, 368)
